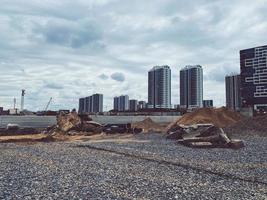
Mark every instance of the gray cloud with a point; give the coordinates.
(118, 77)
(220, 73)
(103, 76)
(68, 33)
(47, 45)
(55, 86)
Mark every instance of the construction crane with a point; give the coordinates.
(22, 99)
(49, 102)
(14, 103)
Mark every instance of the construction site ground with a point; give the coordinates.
(144, 166)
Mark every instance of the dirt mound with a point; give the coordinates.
(148, 125)
(250, 126)
(220, 117)
(66, 122)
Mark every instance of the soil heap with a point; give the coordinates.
(148, 125)
(250, 126)
(220, 117)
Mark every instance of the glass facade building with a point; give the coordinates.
(91, 104)
(159, 87)
(121, 103)
(191, 87)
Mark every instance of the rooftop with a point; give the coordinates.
(160, 67)
(191, 67)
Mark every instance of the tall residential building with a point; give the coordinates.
(116, 103)
(191, 87)
(121, 103)
(81, 105)
(159, 87)
(91, 104)
(253, 64)
(133, 105)
(87, 104)
(207, 103)
(232, 87)
(97, 103)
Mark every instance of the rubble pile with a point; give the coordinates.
(73, 124)
(200, 137)
(204, 128)
(221, 117)
(148, 125)
(66, 122)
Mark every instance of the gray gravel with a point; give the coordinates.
(151, 168)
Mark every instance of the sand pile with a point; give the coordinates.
(221, 117)
(148, 125)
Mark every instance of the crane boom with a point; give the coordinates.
(48, 104)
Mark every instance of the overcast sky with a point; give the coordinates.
(69, 49)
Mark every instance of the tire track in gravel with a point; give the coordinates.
(168, 162)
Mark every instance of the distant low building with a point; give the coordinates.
(142, 105)
(14, 111)
(208, 103)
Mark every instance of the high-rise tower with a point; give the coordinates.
(191, 87)
(159, 87)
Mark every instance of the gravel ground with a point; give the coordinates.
(148, 167)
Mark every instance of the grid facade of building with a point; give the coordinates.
(253, 64)
(121, 103)
(159, 87)
(232, 91)
(191, 87)
(91, 104)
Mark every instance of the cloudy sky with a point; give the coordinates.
(68, 49)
